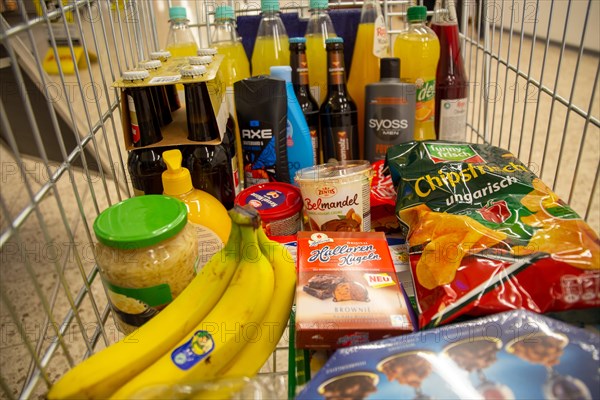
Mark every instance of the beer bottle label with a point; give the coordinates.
(133, 120)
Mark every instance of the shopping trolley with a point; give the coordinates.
(533, 67)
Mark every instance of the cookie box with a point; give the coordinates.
(347, 292)
(513, 355)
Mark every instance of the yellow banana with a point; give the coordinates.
(253, 356)
(104, 372)
(220, 336)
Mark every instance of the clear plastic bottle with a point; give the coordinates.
(319, 28)
(235, 66)
(452, 84)
(180, 40)
(418, 49)
(271, 47)
(372, 44)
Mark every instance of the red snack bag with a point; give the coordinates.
(383, 200)
(486, 235)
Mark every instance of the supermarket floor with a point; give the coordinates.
(56, 239)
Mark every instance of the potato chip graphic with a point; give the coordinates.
(571, 241)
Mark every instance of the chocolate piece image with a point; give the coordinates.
(321, 286)
(474, 354)
(539, 349)
(318, 293)
(353, 385)
(350, 291)
(409, 369)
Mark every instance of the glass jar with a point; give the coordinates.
(146, 254)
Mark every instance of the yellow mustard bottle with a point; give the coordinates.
(205, 213)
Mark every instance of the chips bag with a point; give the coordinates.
(486, 235)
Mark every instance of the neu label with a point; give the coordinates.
(257, 133)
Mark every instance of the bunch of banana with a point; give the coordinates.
(198, 338)
(104, 372)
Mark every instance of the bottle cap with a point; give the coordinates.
(150, 64)
(282, 72)
(140, 221)
(199, 60)
(176, 179)
(207, 51)
(224, 12)
(318, 4)
(135, 75)
(192, 70)
(177, 13)
(416, 13)
(336, 39)
(269, 5)
(160, 55)
(297, 40)
(390, 68)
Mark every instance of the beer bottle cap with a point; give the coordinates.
(297, 40)
(135, 75)
(336, 39)
(160, 55)
(192, 70)
(207, 51)
(199, 60)
(150, 64)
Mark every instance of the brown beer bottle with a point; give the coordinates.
(144, 122)
(201, 120)
(338, 115)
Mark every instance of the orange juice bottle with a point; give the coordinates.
(418, 48)
(180, 41)
(319, 28)
(370, 46)
(271, 46)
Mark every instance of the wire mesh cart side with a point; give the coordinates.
(533, 67)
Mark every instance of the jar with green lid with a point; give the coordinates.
(146, 254)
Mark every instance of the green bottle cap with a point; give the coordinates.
(336, 39)
(318, 4)
(224, 12)
(177, 13)
(416, 13)
(269, 5)
(140, 221)
(297, 40)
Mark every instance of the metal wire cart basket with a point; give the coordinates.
(534, 71)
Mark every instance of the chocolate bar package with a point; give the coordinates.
(513, 355)
(347, 292)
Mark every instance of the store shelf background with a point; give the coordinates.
(534, 90)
